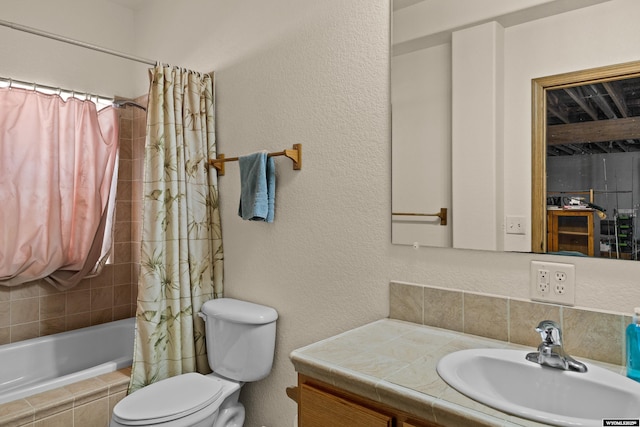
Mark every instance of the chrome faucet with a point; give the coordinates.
(550, 351)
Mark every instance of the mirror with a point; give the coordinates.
(585, 162)
(460, 83)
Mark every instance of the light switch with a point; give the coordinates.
(515, 225)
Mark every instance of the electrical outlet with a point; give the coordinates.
(552, 282)
(543, 281)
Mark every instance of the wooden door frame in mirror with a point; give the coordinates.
(539, 89)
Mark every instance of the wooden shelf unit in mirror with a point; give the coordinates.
(570, 230)
(585, 134)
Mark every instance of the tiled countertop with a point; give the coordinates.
(394, 362)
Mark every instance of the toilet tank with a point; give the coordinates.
(240, 338)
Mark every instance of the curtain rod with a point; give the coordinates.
(11, 81)
(116, 103)
(37, 32)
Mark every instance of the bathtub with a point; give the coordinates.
(41, 364)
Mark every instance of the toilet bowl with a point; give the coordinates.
(240, 347)
(188, 400)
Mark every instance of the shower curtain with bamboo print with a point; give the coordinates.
(181, 251)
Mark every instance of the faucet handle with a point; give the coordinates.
(550, 332)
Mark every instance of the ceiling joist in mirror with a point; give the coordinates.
(594, 118)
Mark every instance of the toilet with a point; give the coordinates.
(240, 339)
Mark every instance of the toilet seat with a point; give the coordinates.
(168, 400)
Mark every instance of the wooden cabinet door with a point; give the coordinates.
(319, 408)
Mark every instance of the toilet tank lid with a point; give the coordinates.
(237, 311)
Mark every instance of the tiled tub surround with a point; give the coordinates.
(394, 362)
(588, 334)
(82, 404)
(36, 308)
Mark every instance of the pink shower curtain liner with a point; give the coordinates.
(57, 162)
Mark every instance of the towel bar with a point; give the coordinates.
(294, 154)
(442, 215)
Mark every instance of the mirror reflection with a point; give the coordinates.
(590, 135)
(461, 79)
(421, 195)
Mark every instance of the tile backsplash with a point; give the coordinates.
(591, 334)
(36, 308)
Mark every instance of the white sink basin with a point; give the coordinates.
(505, 380)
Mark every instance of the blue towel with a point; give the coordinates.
(271, 187)
(257, 187)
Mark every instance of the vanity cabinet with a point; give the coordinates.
(570, 230)
(322, 405)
